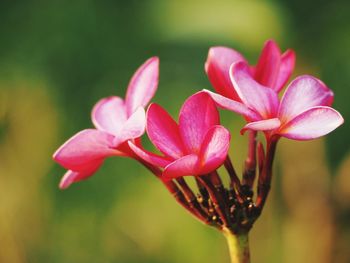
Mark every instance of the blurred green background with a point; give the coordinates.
(59, 57)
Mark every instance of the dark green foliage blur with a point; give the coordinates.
(322, 36)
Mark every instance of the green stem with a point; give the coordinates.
(238, 246)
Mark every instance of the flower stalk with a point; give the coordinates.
(238, 245)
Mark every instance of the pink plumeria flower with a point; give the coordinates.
(272, 70)
(116, 121)
(303, 113)
(196, 146)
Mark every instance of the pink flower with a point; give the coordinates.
(272, 70)
(196, 146)
(303, 113)
(116, 121)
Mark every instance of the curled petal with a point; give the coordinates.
(286, 69)
(302, 93)
(264, 125)
(73, 176)
(109, 115)
(163, 132)
(257, 97)
(197, 115)
(214, 149)
(187, 165)
(312, 123)
(149, 157)
(234, 106)
(217, 68)
(84, 149)
(133, 128)
(267, 69)
(69, 178)
(143, 85)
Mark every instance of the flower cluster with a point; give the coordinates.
(197, 144)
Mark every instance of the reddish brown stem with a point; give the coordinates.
(250, 163)
(261, 157)
(192, 200)
(204, 195)
(235, 182)
(220, 189)
(216, 197)
(173, 189)
(264, 181)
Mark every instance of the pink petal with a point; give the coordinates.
(312, 123)
(186, 165)
(163, 131)
(133, 128)
(217, 68)
(214, 149)
(257, 97)
(302, 93)
(143, 85)
(85, 149)
(197, 115)
(148, 156)
(109, 115)
(234, 106)
(68, 178)
(286, 69)
(268, 66)
(72, 176)
(264, 125)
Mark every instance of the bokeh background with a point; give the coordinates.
(57, 58)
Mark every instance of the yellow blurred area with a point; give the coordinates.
(222, 21)
(160, 220)
(308, 227)
(29, 136)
